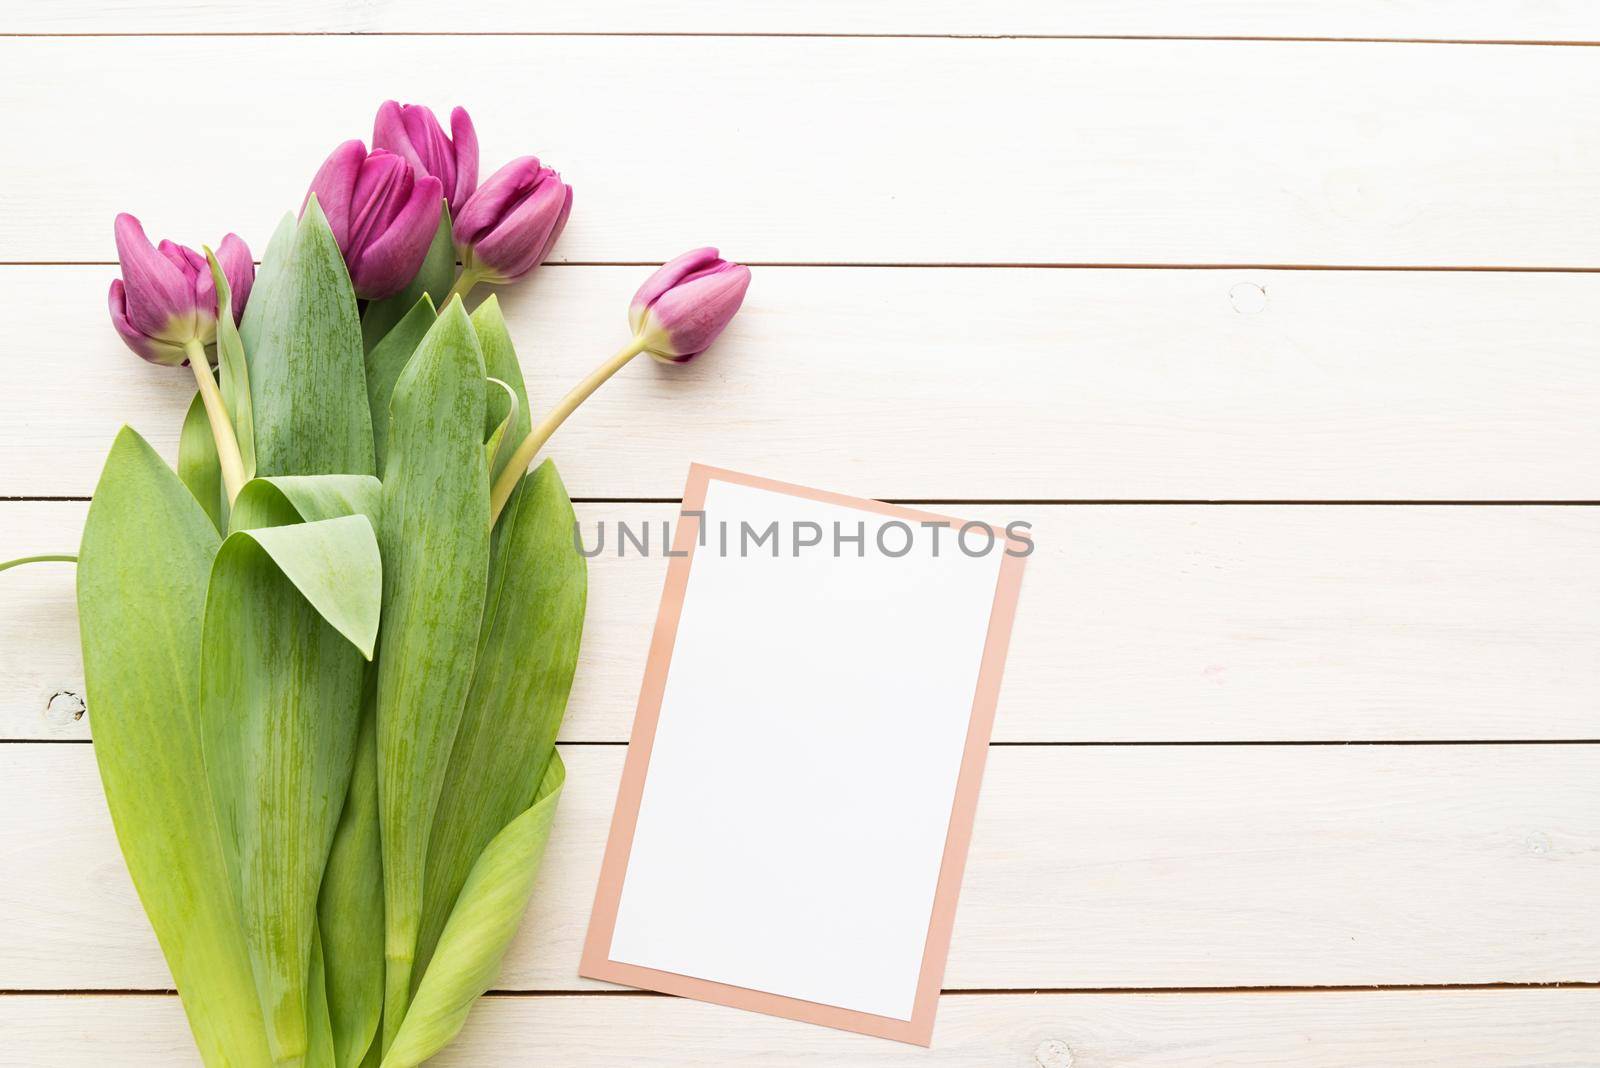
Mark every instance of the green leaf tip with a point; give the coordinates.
(481, 925)
(307, 382)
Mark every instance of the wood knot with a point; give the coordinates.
(1248, 298)
(64, 707)
(1053, 1053)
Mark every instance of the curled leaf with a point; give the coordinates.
(278, 499)
(500, 362)
(500, 445)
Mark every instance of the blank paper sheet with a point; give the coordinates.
(808, 740)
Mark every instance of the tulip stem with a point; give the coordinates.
(463, 285)
(221, 424)
(47, 558)
(517, 466)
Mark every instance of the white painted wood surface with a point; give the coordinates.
(1482, 1028)
(1091, 867)
(975, 384)
(1127, 865)
(863, 150)
(1152, 623)
(1492, 20)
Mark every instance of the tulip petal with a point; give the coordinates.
(430, 147)
(382, 189)
(239, 269)
(203, 323)
(561, 224)
(389, 132)
(670, 274)
(693, 314)
(513, 247)
(413, 132)
(464, 139)
(157, 290)
(335, 186)
(501, 191)
(392, 259)
(144, 347)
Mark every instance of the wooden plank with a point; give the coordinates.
(1038, 384)
(1497, 20)
(935, 150)
(1126, 867)
(1509, 1028)
(1150, 624)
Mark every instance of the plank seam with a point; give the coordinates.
(1507, 42)
(1091, 502)
(950, 992)
(1026, 265)
(1093, 744)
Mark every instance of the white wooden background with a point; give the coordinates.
(1277, 318)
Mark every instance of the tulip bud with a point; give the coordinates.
(680, 310)
(506, 228)
(383, 215)
(412, 131)
(166, 299)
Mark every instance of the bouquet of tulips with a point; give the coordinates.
(328, 656)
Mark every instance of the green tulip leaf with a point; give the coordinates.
(144, 563)
(198, 465)
(307, 376)
(434, 278)
(386, 361)
(500, 362)
(267, 275)
(500, 445)
(350, 903)
(289, 612)
(350, 906)
(319, 1025)
(480, 929)
(434, 532)
(527, 655)
(272, 501)
(334, 564)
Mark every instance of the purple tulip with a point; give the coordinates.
(412, 131)
(506, 228)
(166, 299)
(680, 310)
(382, 213)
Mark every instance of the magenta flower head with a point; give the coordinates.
(680, 310)
(382, 213)
(410, 130)
(507, 227)
(166, 299)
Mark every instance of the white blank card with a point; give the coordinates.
(800, 785)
